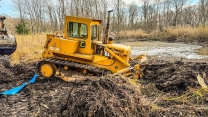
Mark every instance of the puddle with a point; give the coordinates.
(162, 49)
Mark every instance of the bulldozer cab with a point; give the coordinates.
(84, 31)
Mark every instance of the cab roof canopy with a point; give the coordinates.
(81, 18)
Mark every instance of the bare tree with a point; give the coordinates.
(203, 11)
(48, 15)
(133, 13)
(178, 7)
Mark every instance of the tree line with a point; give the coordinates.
(148, 15)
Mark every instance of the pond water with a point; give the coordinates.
(163, 49)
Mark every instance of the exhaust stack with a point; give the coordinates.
(105, 37)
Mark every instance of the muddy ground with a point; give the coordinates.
(169, 88)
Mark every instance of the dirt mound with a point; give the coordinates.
(171, 88)
(176, 76)
(14, 74)
(108, 97)
(105, 97)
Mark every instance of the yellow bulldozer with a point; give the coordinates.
(80, 48)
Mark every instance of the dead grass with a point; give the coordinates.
(194, 96)
(184, 33)
(132, 34)
(180, 33)
(29, 48)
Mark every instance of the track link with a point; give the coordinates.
(91, 69)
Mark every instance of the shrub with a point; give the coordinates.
(21, 28)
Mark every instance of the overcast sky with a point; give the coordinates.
(6, 6)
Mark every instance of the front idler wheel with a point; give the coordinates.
(47, 69)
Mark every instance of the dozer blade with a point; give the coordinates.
(7, 44)
(141, 58)
(138, 64)
(7, 50)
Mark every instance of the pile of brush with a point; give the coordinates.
(177, 75)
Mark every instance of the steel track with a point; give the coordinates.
(90, 69)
